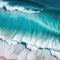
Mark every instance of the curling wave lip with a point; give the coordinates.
(8, 7)
(35, 4)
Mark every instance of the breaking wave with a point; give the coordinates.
(42, 27)
(36, 25)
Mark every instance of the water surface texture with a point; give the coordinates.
(34, 22)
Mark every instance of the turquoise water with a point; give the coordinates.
(43, 26)
(45, 22)
(32, 23)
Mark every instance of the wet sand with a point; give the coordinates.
(3, 58)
